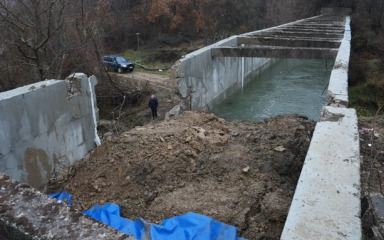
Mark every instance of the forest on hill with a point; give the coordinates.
(44, 39)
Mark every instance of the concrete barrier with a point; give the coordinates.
(326, 204)
(338, 82)
(45, 127)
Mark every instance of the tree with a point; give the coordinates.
(29, 27)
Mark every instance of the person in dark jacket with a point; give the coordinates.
(153, 104)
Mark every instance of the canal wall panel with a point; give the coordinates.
(204, 81)
(45, 127)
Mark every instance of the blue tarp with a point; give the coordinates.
(190, 226)
(61, 196)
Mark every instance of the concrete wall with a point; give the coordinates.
(338, 83)
(326, 204)
(204, 81)
(45, 127)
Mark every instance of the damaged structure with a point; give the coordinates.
(47, 127)
(326, 204)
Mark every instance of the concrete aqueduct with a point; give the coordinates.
(326, 204)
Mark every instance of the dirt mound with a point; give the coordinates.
(241, 173)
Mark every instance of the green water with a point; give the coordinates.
(289, 86)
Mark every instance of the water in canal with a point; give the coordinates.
(289, 86)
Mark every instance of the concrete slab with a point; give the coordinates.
(313, 30)
(312, 27)
(275, 52)
(288, 42)
(320, 25)
(309, 34)
(326, 204)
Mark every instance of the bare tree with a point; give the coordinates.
(29, 26)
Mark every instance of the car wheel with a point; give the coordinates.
(119, 70)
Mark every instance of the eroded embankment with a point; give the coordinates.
(241, 173)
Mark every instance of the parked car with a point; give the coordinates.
(118, 63)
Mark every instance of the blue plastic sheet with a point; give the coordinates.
(190, 226)
(61, 196)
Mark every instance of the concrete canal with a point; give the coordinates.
(289, 86)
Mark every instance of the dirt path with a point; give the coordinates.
(158, 80)
(241, 173)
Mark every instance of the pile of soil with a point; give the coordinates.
(241, 173)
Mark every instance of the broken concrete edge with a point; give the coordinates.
(174, 112)
(26, 213)
(326, 204)
(338, 82)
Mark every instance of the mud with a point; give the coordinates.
(241, 173)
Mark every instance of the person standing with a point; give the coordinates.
(153, 104)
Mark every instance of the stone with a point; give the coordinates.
(199, 129)
(162, 139)
(170, 147)
(108, 134)
(220, 132)
(246, 169)
(279, 149)
(201, 135)
(188, 139)
(235, 134)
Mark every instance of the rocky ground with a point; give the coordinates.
(372, 153)
(241, 173)
(372, 178)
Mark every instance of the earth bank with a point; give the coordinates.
(242, 173)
